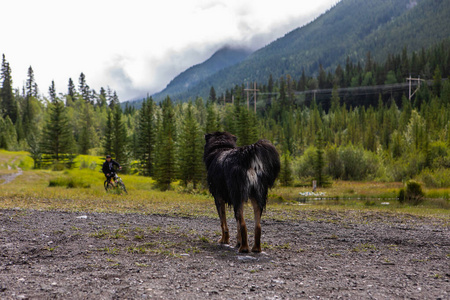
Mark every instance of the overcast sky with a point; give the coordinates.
(137, 46)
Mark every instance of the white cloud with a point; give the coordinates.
(136, 46)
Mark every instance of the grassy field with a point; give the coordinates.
(81, 189)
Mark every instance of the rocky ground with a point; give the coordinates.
(371, 255)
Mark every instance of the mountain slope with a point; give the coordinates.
(350, 29)
(223, 58)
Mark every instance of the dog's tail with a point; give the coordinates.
(266, 162)
(263, 170)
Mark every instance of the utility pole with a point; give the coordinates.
(254, 90)
(410, 83)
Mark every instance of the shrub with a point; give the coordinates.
(335, 167)
(439, 178)
(305, 165)
(57, 166)
(414, 193)
(358, 163)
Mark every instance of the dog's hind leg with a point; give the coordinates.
(223, 222)
(258, 212)
(241, 229)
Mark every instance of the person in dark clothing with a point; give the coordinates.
(108, 168)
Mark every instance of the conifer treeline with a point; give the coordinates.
(394, 139)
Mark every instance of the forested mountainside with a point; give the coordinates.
(351, 29)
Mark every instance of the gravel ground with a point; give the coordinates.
(350, 255)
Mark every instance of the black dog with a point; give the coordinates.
(236, 174)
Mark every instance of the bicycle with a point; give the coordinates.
(109, 186)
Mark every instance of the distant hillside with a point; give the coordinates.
(350, 29)
(223, 58)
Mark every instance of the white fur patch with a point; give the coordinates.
(252, 178)
(256, 168)
(257, 165)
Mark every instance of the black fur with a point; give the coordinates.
(236, 174)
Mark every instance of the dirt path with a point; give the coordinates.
(10, 177)
(116, 256)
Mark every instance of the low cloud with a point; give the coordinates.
(152, 74)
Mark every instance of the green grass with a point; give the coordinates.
(15, 159)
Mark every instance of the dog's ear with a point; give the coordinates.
(207, 136)
(234, 138)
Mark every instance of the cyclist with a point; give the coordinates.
(108, 168)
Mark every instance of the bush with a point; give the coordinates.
(58, 166)
(358, 163)
(439, 178)
(414, 194)
(304, 167)
(334, 167)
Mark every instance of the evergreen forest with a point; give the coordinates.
(355, 123)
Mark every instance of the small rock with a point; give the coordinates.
(279, 281)
(246, 258)
(82, 217)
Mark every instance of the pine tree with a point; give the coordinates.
(57, 137)
(283, 98)
(8, 135)
(71, 90)
(191, 149)
(212, 95)
(34, 148)
(165, 166)
(319, 162)
(119, 138)
(52, 92)
(31, 86)
(335, 100)
(108, 136)
(146, 136)
(245, 127)
(302, 83)
(437, 81)
(212, 123)
(84, 88)
(113, 99)
(102, 102)
(322, 77)
(9, 104)
(87, 134)
(286, 177)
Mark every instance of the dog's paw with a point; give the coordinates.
(256, 249)
(224, 241)
(244, 250)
